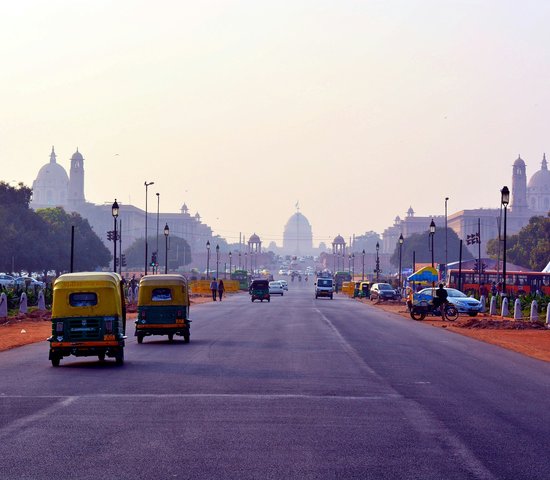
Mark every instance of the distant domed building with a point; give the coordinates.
(298, 236)
(538, 190)
(51, 186)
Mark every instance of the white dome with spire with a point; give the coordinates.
(51, 185)
(538, 189)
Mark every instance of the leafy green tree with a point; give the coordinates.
(21, 231)
(529, 248)
(420, 244)
(89, 251)
(179, 252)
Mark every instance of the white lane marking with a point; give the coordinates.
(256, 396)
(17, 425)
(420, 418)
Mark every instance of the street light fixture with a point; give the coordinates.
(363, 270)
(353, 266)
(432, 233)
(166, 233)
(504, 200)
(246, 262)
(208, 259)
(400, 248)
(114, 212)
(158, 210)
(239, 260)
(230, 258)
(217, 261)
(377, 270)
(147, 185)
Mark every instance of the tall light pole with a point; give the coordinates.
(446, 247)
(377, 262)
(432, 233)
(217, 261)
(239, 260)
(208, 259)
(349, 264)
(353, 265)
(114, 212)
(400, 248)
(363, 270)
(246, 262)
(230, 258)
(504, 200)
(166, 233)
(158, 210)
(147, 184)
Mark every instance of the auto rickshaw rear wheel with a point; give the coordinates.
(140, 338)
(170, 337)
(55, 360)
(101, 356)
(186, 337)
(119, 356)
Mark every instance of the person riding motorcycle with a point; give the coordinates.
(440, 299)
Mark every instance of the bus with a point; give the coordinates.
(243, 278)
(516, 282)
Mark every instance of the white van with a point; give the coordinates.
(324, 287)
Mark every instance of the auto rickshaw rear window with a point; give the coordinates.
(83, 299)
(161, 295)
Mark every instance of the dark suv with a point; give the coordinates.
(383, 291)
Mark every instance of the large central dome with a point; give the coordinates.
(298, 237)
(51, 184)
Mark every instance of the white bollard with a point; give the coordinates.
(3, 306)
(483, 302)
(41, 300)
(505, 312)
(518, 314)
(23, 303)
(534, 317)
(548, 316)
(493, 306)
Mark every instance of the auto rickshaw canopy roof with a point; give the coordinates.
(176, 283)
(106, 285)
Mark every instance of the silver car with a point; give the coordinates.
(7, 281)
(461, 301)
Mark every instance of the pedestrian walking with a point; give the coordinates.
(221, 289)
(214, 288)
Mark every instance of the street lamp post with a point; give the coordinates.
(432, 233)
(208, 259)
(246, 262)
(217, 261)
(239, 260)
(349, 264)
(114, 211)
(446, 249)
(158, 210)
(377, 262)
(363, 269)
(400, 248)
(353, 266)
(147, 184)
(230, 258)
(166, 233)
(504, 200)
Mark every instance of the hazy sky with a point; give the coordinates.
(356, 109)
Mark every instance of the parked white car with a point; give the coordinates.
(7, 281)
(276, 288)
(21, 282)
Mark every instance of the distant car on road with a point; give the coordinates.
(284, 283)
(383, 291)
(7, 281)
(461, 301)
(276, 288)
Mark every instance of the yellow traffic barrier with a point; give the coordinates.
(202, 287)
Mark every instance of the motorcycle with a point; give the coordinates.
(419, 311)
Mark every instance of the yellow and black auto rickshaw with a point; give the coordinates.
(88, 317)
(163, 307)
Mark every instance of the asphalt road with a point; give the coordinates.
(294, 388)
